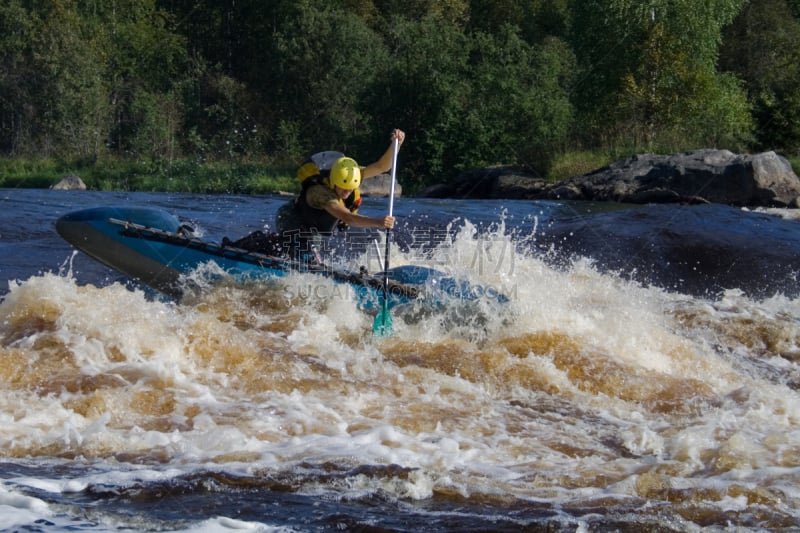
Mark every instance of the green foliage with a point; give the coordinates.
(16, 32)
(674, 103)
(325, 59)
(146, 66)
(795, 161)
(533, 116)
(423, 91)
(762, 47)
(219, 115)
(451, 12)
(52, 97)
(182, 175)
(136, 92)
(82, 73)
(29, 173)
(536, 20)
(649, 69)
(445, 86)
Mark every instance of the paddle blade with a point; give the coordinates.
(382, 327)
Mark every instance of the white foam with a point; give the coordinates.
(441, 398)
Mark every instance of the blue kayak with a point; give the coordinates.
(153, 247)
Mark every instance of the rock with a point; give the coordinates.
(380, 186)
(516, 185)
(775, 179)
(489, 183)
(696, 177)
(700, 176)
(70, 182)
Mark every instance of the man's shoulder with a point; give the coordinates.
(319, 196)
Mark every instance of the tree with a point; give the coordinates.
(17, 28)
(316, 71)
(146, 67)
(536, 20)
(762, 47)
(472, 99)
(449, 12)
(424, 90)
(81, 76)
(649, 68)
(52, 95)
(517, 109)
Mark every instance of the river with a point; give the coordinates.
(647, 380)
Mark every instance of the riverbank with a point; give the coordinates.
(207, 177)
(225, 177)
(189, 175)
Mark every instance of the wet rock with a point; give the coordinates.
(489, 183)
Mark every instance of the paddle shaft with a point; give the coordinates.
(388, 230)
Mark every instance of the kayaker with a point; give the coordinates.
(329, 197)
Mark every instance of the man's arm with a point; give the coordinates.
(359, 221)
(382, 165)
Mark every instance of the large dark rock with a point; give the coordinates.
(700, 176)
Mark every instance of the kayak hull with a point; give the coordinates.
(153, 247)
(91, 232)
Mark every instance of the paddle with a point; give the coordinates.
(382, 327)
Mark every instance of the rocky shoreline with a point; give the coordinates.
(764, 180)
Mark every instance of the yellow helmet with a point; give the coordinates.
(345, 174)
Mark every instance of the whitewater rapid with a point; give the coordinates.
(588, 390)
(586, 401)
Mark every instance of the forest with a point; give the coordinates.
(183, 84)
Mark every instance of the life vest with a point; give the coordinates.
(315, 171)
